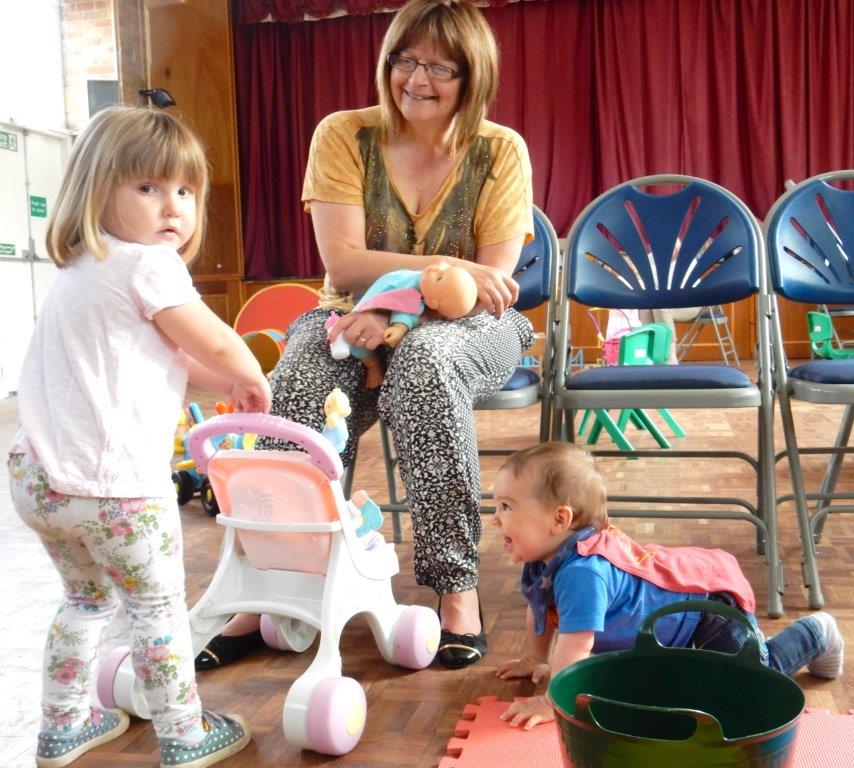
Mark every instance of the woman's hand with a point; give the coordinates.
(536, 669)
(529, 712)
(496, 290)
(361, 329)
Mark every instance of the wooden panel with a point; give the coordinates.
(191, 56)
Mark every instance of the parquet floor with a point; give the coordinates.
(411, 715)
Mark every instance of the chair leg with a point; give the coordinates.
(595, 430)
(603, 419)
(584, 420)
(347, 478)
(671, 422)
(628, 415)
(391, 483)
(650, 426)
(809, 564)
(767, 506)
(831, 474)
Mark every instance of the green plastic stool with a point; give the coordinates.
(820, 328)
(647, 345)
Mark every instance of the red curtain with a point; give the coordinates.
(746, 93)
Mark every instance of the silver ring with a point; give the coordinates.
(362, 339)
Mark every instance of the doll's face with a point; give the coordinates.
(451, 291)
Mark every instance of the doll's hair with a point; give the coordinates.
(459, 29)
(564, 474)
(336, 406)
(122, 143)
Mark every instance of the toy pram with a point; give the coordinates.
(291, 552)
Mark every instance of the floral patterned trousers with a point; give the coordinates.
(104, 547)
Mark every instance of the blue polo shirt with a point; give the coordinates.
(591, 594)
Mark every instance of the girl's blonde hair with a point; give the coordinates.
(459, 29)
(122, 143)
(564, 474)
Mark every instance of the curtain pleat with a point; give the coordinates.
(746, 93)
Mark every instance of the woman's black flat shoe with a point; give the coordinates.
(223, 649)
(458, 651)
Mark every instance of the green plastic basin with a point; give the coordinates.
(656, 707)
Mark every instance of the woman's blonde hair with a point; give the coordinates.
(564, 474)
(122, 143)
(459, 29)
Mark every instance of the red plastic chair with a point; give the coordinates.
(265, 316)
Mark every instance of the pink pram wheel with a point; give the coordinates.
(107, 675)
(284, 633)
(335, 717)
(416, 637)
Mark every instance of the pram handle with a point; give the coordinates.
(319, 449)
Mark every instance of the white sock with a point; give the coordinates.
(829, 663)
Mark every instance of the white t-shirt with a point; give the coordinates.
(101, 387)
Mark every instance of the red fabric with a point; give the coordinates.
(678, 569)
(745, 93)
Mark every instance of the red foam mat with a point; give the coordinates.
(481, 740)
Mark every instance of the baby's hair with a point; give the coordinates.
(564, 474)
(122, 143)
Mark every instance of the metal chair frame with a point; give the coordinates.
(810, 239)
(622, 271)
(715, 316)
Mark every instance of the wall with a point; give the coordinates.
(88, 52)
(190, 56)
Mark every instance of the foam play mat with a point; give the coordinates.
(481, 740)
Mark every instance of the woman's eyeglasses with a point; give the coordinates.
(433, 71)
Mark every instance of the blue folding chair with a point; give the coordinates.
(698, 246)
(536, 272)
(810, 235)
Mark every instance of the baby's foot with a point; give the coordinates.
(829, 663)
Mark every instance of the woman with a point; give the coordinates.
(420, 179)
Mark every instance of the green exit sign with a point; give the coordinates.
(38, 207)
(9, 141)
(7, 249)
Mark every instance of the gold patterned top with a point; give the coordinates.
(486, 199)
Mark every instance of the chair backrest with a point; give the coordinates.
(647, 345)
(275, 307)
(534, 268)
(820, 329)
(810, 236)
(276, 487)
(697, 246)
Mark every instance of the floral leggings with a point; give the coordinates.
(100, 547)
(432, 381)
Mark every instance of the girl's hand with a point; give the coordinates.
(529, 712)
(496, 290)
(252, 398)
(536, 669)
(361, 329)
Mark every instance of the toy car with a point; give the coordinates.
(188, 481)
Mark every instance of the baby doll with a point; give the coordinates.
(450, 291)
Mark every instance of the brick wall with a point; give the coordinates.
(88, 52)
(102, 40)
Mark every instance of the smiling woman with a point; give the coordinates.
(421, 179)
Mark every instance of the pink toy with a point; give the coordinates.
(304, 569)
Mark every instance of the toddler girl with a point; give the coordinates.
(121, 331)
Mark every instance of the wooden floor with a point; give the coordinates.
(411, 715)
